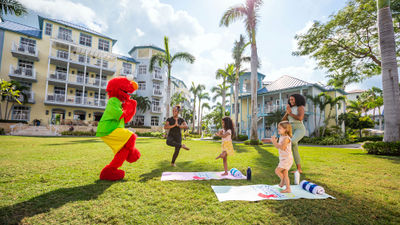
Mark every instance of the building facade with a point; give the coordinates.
(178, 86)
(65, 68)
(273, 96)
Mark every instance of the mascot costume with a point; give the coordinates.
(111, 129)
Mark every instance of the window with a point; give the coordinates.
(139, 120)
(85, 39)
(105, 63)
(81, 59)
(65, 34)
(157, 73)
(157, 89)
(126, 68)
(104, 45)
(142, 69)
(142, 85)
(48, 29)
(27, 42)
(62, 54)
(27, 45)
(154, 121)
(20, 113)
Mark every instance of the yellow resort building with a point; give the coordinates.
(64, 67)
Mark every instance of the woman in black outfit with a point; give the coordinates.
(174, 139)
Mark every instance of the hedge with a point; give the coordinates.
(253, 142)
(78, 133)
(383, 148)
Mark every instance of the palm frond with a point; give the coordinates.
(183, 56)
(158, 58)
(232, 14)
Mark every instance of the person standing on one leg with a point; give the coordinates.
(174, 138)
(227, 148)
(295, 115)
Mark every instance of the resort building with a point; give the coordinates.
(273, 96)
(178, 86)
(65, 68)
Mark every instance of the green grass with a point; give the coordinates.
(55, 181)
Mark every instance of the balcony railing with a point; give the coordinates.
(23, 72)
(20, 114)
(125, 72)
(157, 76)
(25, 49)
(76, 79)
(92, 81)
(58, 76)
(65, 37)
(76, 100)
(157, 92)
(30, 96)
(156, 109)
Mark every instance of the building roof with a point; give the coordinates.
(145, 46)
(249, 74)
(20, 28)
(127, 58)
(355, 91)
(285, 82)
(75, 26)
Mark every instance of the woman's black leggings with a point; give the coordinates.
(174, 142)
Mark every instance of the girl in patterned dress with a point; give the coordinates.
(227, 147)
(285, 154)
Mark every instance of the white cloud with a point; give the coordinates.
(139, 32)
(68, 11)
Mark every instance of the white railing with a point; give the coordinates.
(104, 83)
(125, 72)
(76, 100)
(64, 37)
(58, 75)
(92, 81)
(23, 72)
(26, 49)
(76, 79)
(156, 109)
(157, 91)
(56, 98)
(17, 127)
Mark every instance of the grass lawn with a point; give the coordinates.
(55, 181)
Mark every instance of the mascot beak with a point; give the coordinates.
(135, 85)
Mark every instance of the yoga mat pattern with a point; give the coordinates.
(198, 176)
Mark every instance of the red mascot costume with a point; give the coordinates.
(111, 128)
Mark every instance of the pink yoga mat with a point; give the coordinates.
(198, 176)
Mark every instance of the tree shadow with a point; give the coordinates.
(239, 148)
(94, 140)
(394, 159)
(54, 199)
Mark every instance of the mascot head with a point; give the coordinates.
(121, 87)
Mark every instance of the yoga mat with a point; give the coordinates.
(198, 176)
(262, 192)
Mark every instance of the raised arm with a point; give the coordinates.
(184, 126)
(300, 113)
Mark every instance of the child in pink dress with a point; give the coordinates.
(226, 136)
(285, 154)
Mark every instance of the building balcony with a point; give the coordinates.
(125, 72)
(157, 76)
(22, 73)
(30, 97)
(25, 51)
(77, 101)
(75, 79)
(155, 109)
(157, 92)
(57, 76)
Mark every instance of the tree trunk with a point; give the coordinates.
(254, 76)
(168, 90)
(5, 113)
(9, 112)
(194, 113)
(380, 118)
(236, 104)
(198, 118)
(390, 77)
(315, 120)
(326, 124)
(0, 112)
(223, 101)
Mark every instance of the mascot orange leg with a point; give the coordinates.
(128, 153)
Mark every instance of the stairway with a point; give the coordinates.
(36, 131)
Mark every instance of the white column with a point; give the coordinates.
(48, 70)
(84, 78)
(101, 73)
(66, 82)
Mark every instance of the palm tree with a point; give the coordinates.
(8, 92)
(177, 98)
(11, 7)
(390, 76)
(355, 106)
(237, 54)
(143, 103)
(320, 101)
(332, 102)
(225, 75)
(248, 12)
(204, 105)
(195, 91)
(275, 117)
(201, 96)
(167, 59)
(219, 91)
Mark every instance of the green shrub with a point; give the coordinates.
(193, 135)
(150, 134)
(242, 137)
(137, 126)
(78, 133)
(370, 138)
(13, 121)
(330, 140)
(2, 132)
(216, 138)
(383, 148)
(253, 142)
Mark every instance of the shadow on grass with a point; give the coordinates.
(395, 159)
(54, 199)
(94, 140)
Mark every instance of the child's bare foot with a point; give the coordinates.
(287, 190)
(224, 174)
(185, 147)
(173, 164)
(282, 183)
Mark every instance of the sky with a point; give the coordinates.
(193, 26)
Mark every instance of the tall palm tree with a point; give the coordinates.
(11, 7)
(249, 12)
(355, 106)
(225, 75)
(319, 101)
(207, 106)
(237, 54)
(201, 96)
(195, 89)
(177, 98)
(143, 103)
(218, 91)
(390, 76)
(332, 102)
(274, 118)
(167, 59)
